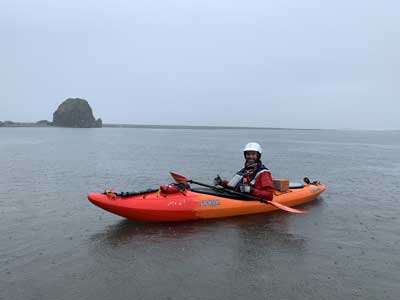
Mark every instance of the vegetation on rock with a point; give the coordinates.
(44, 123)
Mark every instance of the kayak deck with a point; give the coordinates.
(197, 204)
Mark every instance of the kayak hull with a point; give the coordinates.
(191, 205)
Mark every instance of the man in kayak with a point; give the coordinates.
(254, 179)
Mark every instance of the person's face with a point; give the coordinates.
(251, 156)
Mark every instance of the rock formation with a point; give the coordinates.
(75, 112)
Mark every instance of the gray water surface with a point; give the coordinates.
(54, 244)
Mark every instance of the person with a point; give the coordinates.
(254, 179)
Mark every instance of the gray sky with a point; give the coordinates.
(303, 64)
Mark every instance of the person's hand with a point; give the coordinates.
(245, 188)
(217, 180)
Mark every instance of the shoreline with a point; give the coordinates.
(153, 126)
(9, 124)
(150, 126)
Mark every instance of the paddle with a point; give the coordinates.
(180, 178)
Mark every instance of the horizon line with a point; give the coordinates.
(175, 126)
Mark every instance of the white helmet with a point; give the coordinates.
(253, 147)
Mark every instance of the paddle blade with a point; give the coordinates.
(179, 178)
(287, 208)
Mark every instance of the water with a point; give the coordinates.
(54, 244)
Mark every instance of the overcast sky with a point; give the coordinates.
(298, 64)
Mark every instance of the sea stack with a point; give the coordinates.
(77, 113)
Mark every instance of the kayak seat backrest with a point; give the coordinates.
(281, 185)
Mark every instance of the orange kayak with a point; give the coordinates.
(194, 204)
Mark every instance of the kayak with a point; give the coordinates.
(197, 203)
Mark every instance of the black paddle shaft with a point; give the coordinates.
(230, 191)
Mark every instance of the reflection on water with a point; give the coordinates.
(253, 227)
(125, 231)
